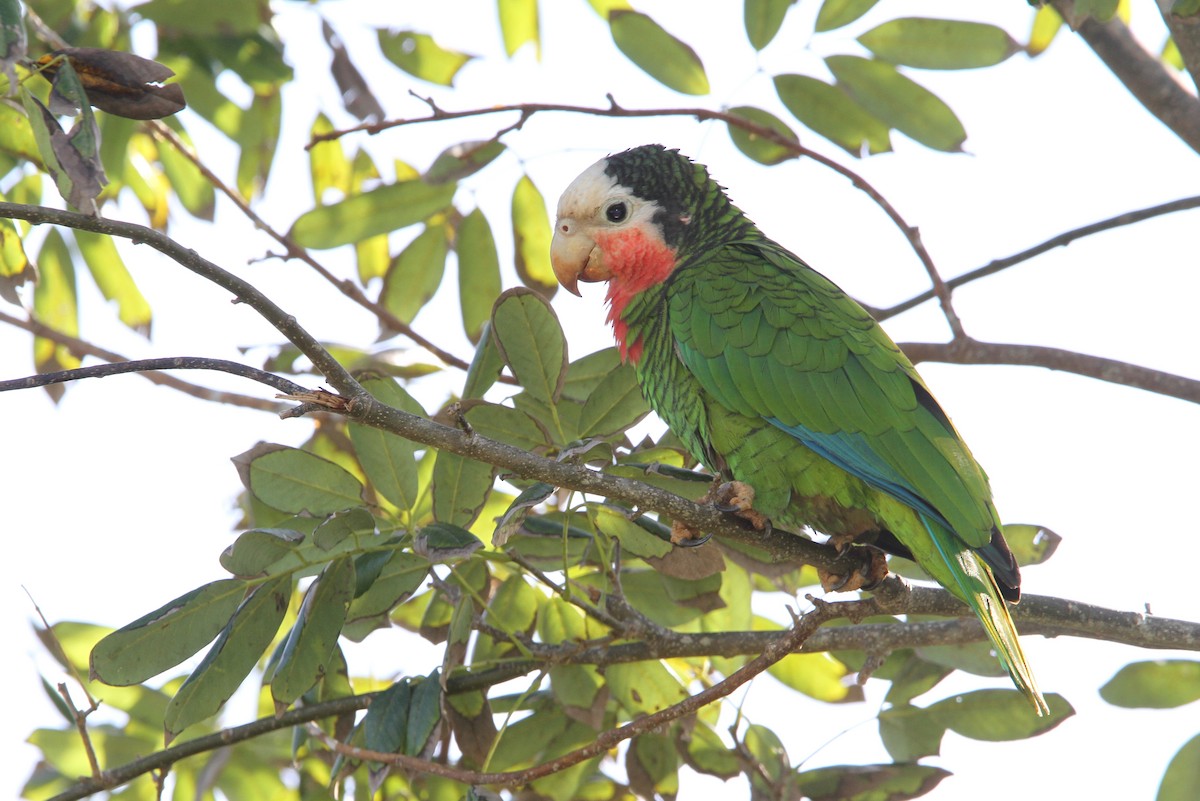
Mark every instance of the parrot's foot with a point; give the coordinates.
(730, 496)
(737, 497)
(866, 567)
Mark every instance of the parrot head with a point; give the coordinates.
(631, 218)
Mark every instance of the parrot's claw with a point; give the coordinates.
(737, 497)
(686, 537)
(871, 569)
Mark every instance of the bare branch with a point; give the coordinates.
(149, 365)
(1185, 31)
(83, 348)
(972, 351)
(1061, 240)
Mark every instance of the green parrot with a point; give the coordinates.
(779, 382)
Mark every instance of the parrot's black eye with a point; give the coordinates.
(616, 212)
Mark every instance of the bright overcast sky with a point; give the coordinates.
(121, 497)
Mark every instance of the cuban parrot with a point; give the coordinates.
(780, 383)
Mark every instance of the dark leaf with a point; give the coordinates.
(897, 782)
(72, 158)
(119, 83)
(356, 92)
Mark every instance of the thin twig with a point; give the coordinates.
(81, 727)
(83, 348)
(1061, 240)
(152, 365)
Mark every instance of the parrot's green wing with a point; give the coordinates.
(769, 337)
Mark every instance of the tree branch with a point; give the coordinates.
(972, 351)
(1185, 31)
(150, 365)
(1142, 74)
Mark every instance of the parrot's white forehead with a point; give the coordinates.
(587, 192)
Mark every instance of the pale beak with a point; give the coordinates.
(575, 257)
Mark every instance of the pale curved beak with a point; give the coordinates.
(569, 254)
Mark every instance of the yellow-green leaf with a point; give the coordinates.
(327, 163)
(519, 24)
(116, 284)
(1181, 782)
(996, 715)
(836, 13)
(614, 405)
(899, 101)
(633, 538)
(939, 44)
(377, 211)
(1154, 684)
(388, 459)
(1046, 23)
(644, 687)
(420, 56)
(415, 274)
(531, 238)
(662, 56)
(15, 268)
(478, 272)
(55, 304)
(465, 158)
(833, 114)
(756, 146)
(460, 488)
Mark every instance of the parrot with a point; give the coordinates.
(781, 384)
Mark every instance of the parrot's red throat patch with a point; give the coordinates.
(637, 259)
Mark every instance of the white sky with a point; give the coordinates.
(120, 498)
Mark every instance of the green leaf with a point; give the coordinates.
(1031, 545)
(306, 654)
(388, 459)
(372, 254)
(1154, 684)
(420, 56)
(910, 733)
(231, 658)
(531, 238)
(385, 726)
(895, 782)
(518, 511)
(399, 577)
(295, 481)
(507, 425)
(334, 530)
(910, 676)
(653, 766)
(466, 158)
(15, 268)
(514, 607)
(763, 19)
(165, 637)
(997, 715)
(519, 24)
(899, 101)
(560, 621)
(633, 538)
(423, 714)
(16, 136)
(757, 147)
(460, 488)
(939, 44)
(12, 39)
(831, 113)
(261, 552)
(116, 284)
(485, 366)
(211, 18)
(1181, 782)
(415, 274)
(644, 687)
(836, 13)
(663, 57)
(258, 135)
(194, 191)
(377, 211)
(478, 272)
(614, 405)
(531, 342)
(55, 304)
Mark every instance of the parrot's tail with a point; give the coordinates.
(978, 588)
